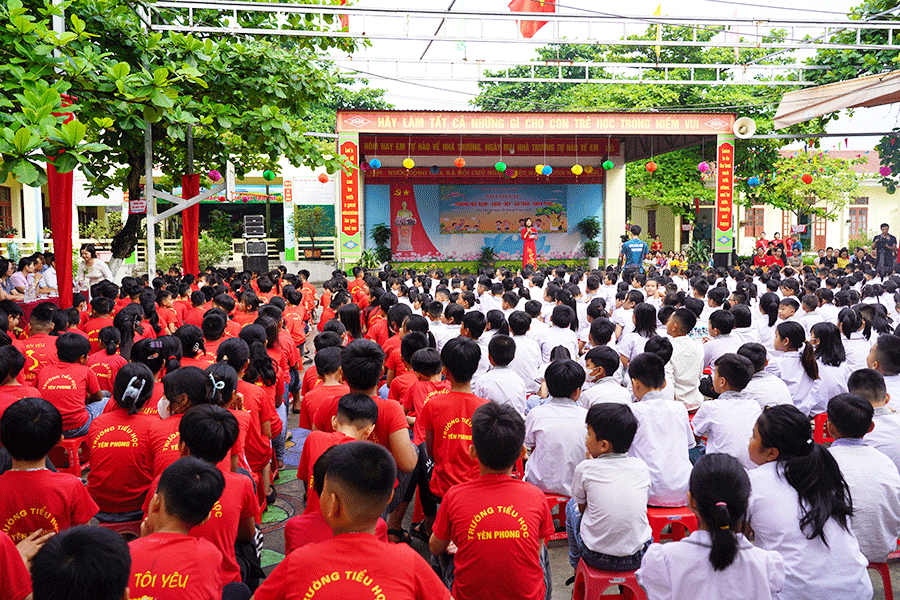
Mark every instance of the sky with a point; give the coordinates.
(455, 95)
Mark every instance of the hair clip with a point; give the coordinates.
(809, 441)
(156, 344)
(133, 391)
(721, 504)
(219, 385)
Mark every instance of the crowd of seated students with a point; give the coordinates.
(687, 387)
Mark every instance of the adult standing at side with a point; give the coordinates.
(91, 269)
(634, 251)
(762, 242)
(885, 246)
(529, 251)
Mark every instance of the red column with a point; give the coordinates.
(190, 220)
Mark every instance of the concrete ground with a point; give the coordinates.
(291, 501)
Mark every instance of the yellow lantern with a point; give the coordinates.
(409, 163)
(577, 170)
(538, 169)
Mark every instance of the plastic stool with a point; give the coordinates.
(130, 530)
(591, 583)
(882, 569)
(681, 519)
(559, 519)
(518, 471)
(820, 435)
(67, 449)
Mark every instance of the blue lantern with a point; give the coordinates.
(435, 169)
(753, 181)
(375, 164)
(547, 170)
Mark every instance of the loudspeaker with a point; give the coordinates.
(744, 127)
(256, 264)
(256, 248)
(254, 226)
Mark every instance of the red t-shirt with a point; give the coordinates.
(105, 367)
(449, 415)
(194, 316)
(169, 316)
(257, 447)
(181, 307)
(92, 330)
(121, 303)
(356, 284)
(390, 419)
(10, 394)
(238, 502)
(378, 332)
(39, 351)
(121, 465)
(416, 397)
(327, 315)
(310, 380)
(67, 386)
(400, 385)
(32, 500)
(762, 243)
(315, 398)
(312, 528)
(173, 566)
(391, 345)
(395, 362)
(759, 261)
(353, 565)
(163, 441)
(232, 329)
(497, 523)
(315, 446)
(774, 260)
(244, 318)
(15, 581)
(201, 361)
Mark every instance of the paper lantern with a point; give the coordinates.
(364, 165)
(753, 181)
(214, 175)
(268, 175)
(588, 169)
(409, 163)
(703, 167)
(546, 170)
(323, 178)
(460, 162)
(500, 166)
(885, 171)
(577, 170)
(511, 173)
(375, 164)
(807, 178)
(608, 164)
(538, 169)
(435, 169)
(651, 166)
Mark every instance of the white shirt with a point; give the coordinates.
(49, 281)
(886, 434)
(857, 350)
(623, 318)
(527, 361)
(555, 336)
(615, 488)
(767, 390)
(715, 347)
(728, 422)
(766, 333)
(681, 570)
(662, 441)
(536, 328)
(747, 335)
(812, 570)
(631, 344)
(808, 319)
(875, 488)
(556, 430)
(685, 369)
(484, 363)
(832, 381)
(892, 383)
(791, 371)
(445, 334)
(829, 312)
(606, 389)
(503, 386)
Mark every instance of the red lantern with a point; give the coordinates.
(323, 178)
(460, 162)
(651, 166)
(807, 178)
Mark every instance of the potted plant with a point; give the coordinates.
(487, 256)
(381, 234)
(312, 222)
(698, 252)
(592, 251)
(9, 232)
(590, 228)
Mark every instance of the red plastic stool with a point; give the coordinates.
(681, 520)
(820, 434)
(885, 573)
(591, 583)
(130, 530)
(66, 451)
(559, 519)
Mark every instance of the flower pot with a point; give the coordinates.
(312, 253)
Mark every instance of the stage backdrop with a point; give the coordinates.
(416, 215)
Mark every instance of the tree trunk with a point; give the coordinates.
(126, 240)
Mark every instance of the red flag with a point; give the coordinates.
(345, 19)
(529, 28)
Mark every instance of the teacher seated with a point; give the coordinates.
(91, 269)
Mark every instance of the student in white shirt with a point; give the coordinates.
(796, 365)
(453, 316)
(501, 384)
(885, 436)
(765, 326)
(528, 353)
(602, 363)
(743, 325)
(606, 518)
(884, 357)
(764, 387)
(856, 337)
(686, 364)
(644, 327)
(809, 314)
(716, 561)
(472, 327)
(608, 289)
(622, 316)
(494, 323)
(533, 309)
(727, 422)
(554, 431)
(721, 340)
(827, 309)
(559, 333)
(872, 477)
(664, 434)
(800, 478)
(833, 369)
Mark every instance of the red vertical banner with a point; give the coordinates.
(288, 191)
(349, 234)
(723, 232)
(59, 186)
(190, 226)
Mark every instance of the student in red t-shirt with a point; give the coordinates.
(32, 497)
(101, 316)
(186, 494)
(310, 377)
(11, 364)
(71, 386)
(328, 368)
(15, 581)
(246, 310)
(121, 467)
(446, 418)
(401, 384)
(266, 374)
(193, 349)
(214, 323)
(168, 316)
(395, 366)
(106, 363)
(194, 315)
(226, 304)
(357, 488)
(40, 347)
(355, 420)
(497, 523)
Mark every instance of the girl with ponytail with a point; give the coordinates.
(265, 373)
(107, 362)
(128, 322)
(225, 380)
(856, 334)
(800, 506)
(768, 306)
(716, 561)
(193, 348)
(797, 364)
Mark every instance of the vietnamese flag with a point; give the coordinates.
(529, 28)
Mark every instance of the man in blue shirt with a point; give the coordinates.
(634, 251)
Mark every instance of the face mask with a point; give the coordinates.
(163, 408)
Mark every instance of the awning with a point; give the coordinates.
(809, 103)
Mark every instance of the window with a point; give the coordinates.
(821, 229)
(651, 223)
(5, 206)
(859, 200)
(859, 220)
(755, 220)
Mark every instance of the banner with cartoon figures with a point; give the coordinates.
(502, 209)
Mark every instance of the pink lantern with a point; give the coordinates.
(703, 167)
(214, 175)
(885, 171)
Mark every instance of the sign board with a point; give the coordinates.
(723, 232)
(350, 236)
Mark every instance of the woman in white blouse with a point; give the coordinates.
(800, 506)
(91, 269)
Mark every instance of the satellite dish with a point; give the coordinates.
(744, 128)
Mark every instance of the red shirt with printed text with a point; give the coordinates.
(67, 386)
(106, 367)
(416, 397)
(42, 499)
(173, 566)
(92, 330)
(121, 465)
(39, 351)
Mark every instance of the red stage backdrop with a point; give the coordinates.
(408, 240)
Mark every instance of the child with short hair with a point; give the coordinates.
(527, 359)
(554, 430)
(412, 342)
(884, 357)
(101, 316)
(727, 422)
(40, 346)
(328, 369)
(868, 384)
(71, 386)
(721, 340)
(167, 562)
(32, 497)
(606, 517)
(11, 364)
(764, 387)
(501, 384)
(559, 333)
(686, 365)
(498, 550)
(357, 488)
(664, 434)
(716, 561)
(601, 364)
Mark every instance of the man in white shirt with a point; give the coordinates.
(500, 383)
(686, 364)
(721, 340)
(555, 431)
(528, 352)
(602, 362)
(884, 357)
(885, 436)
(559, 333)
